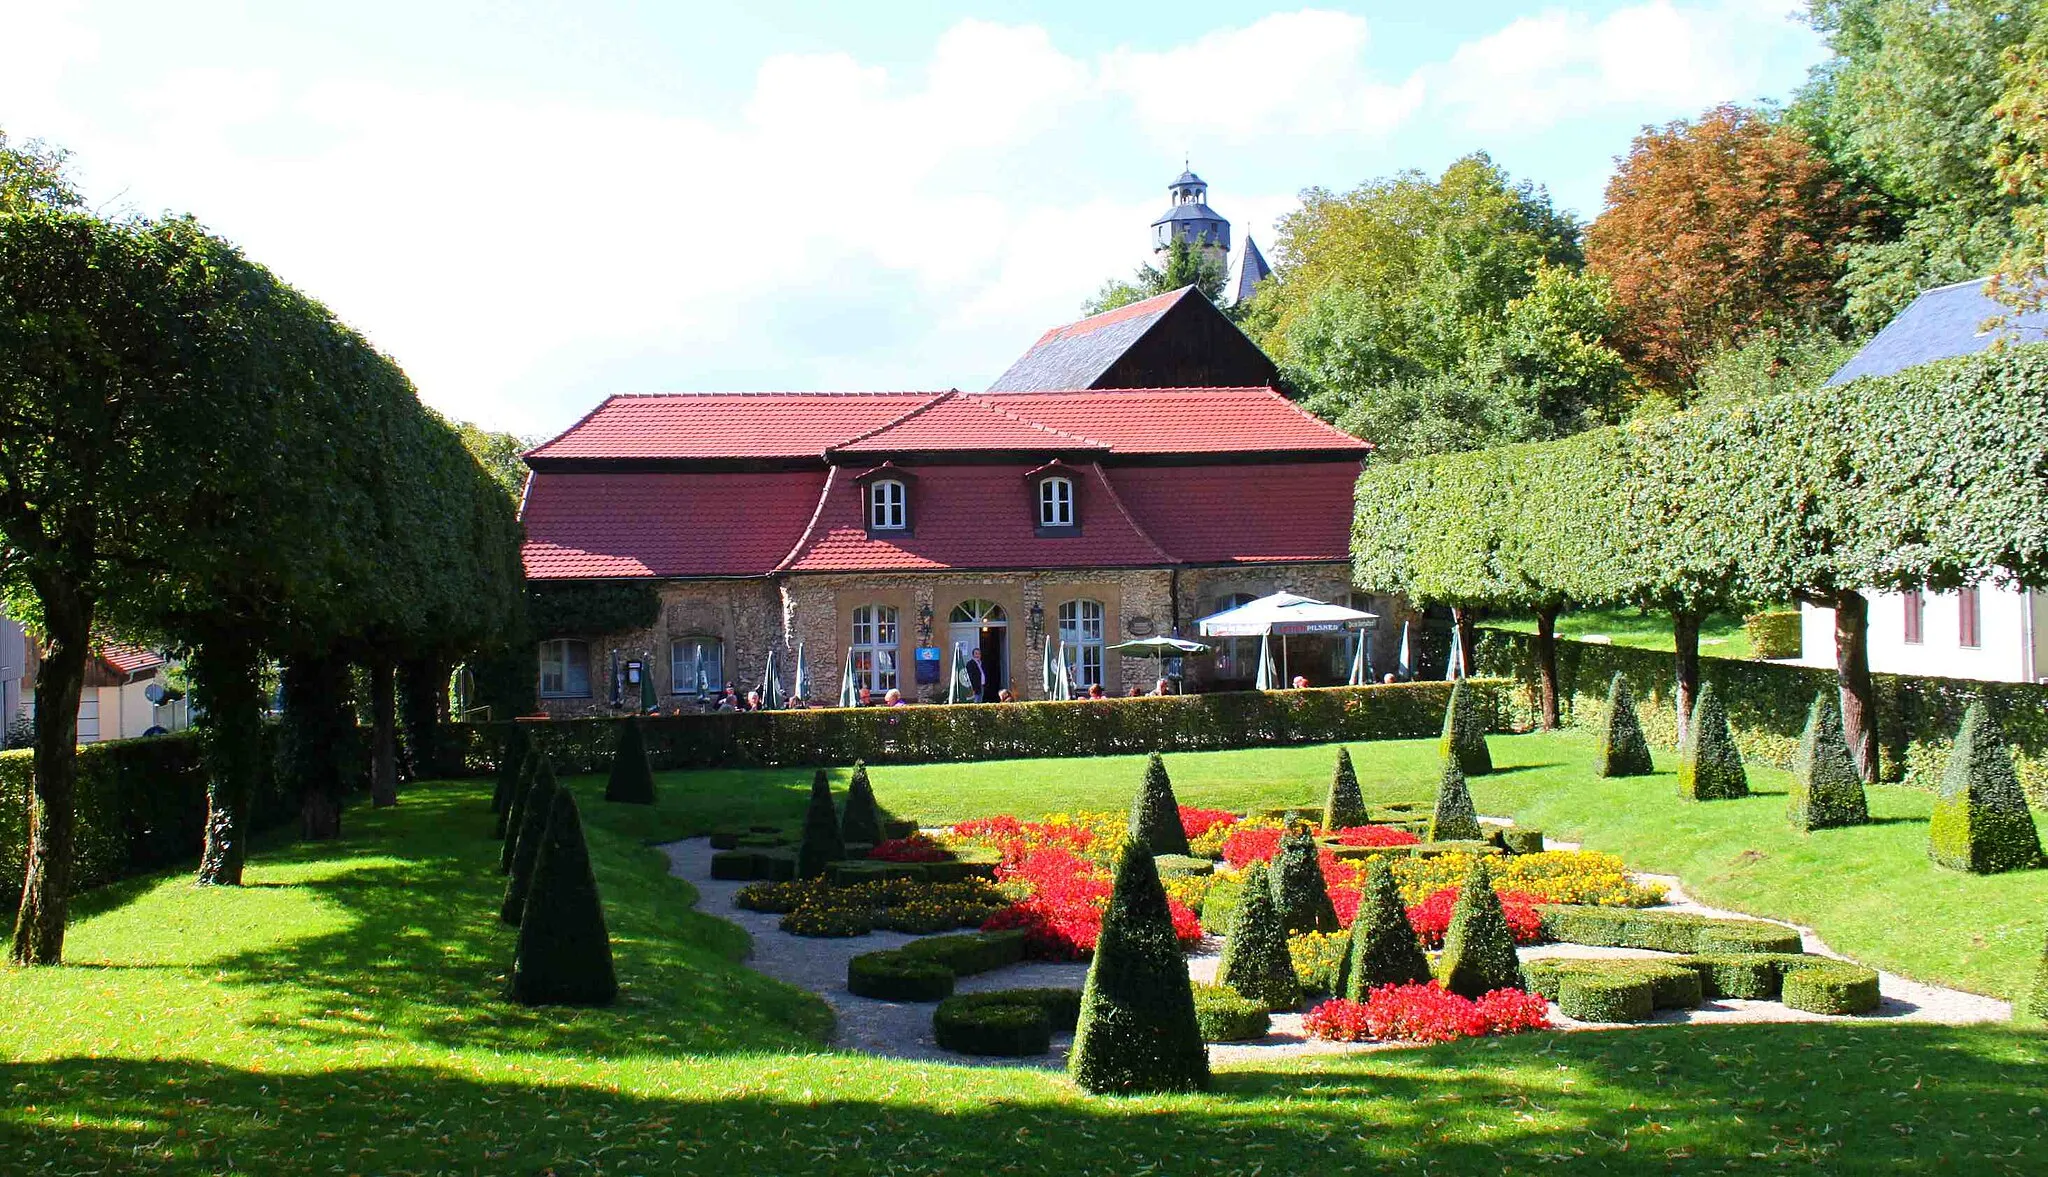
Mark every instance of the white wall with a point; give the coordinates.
(13, 658)
(2010, 647)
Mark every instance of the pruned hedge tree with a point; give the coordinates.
(1826, 791)
(1623, 749)
(1709, 764)
(1155, 812)
(1981, 822)
(1137, 1031)
(1453, 818)
(1345, 804)
(564, 955)
(1255, 958)
(1384, 949)
(632, 778)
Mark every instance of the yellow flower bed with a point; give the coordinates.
(1317, 956)
(1190, 889)
(1554, 876)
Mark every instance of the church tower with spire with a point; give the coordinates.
(1190, 219)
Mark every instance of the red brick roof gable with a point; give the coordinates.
(581, 526)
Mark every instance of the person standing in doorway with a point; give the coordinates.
(980, 689)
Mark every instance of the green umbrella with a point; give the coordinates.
(771, 686)
(849, 686)
(800, 685)
(959, 688)
(1048, 672)
(648, 703)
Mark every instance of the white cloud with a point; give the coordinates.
(1542, 69)
(1296, 73)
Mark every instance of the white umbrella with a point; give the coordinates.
(1268, 679)
(1457, 663)
(1161, 647)
(1358, 667)
(1047, 671)
(1407, 664)
(958, 687)
(849, 686)
(1063, 677)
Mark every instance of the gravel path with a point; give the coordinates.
(904, 1029)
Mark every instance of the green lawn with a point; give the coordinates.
(340, 1015)
(1721, 634)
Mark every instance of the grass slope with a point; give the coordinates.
(1721, 634)
(340, 1015)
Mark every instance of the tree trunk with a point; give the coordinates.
(319, 740)
(1546, 663)
(423, 709)
(1859, 693)
(226, 686)
(46, 882)
(383, 732)
(1685, 639)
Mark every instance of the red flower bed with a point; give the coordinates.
(1062, 913)
(1016, 840)
(1426, 1013)
(915, 848)
(1196, 822)
(1432, 917)
(1375, 836)
(1244, 847)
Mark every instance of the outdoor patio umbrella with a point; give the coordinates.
(800, 685)
(1457, 662)
(648, 703)
(849, 687)
(1358, 666)
(771, 686)
(1063, 678)
(1282, 614)
(1048, 671)
(618, 683)
(1407, 664)
(1162, 648)
(958, 687)
(1268, 677)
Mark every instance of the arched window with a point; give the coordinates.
(1081, 628)
(1056, 502)
(1236, 658)
(976, 611)
(696, 666)
(875, 638)
(565, 669)
(887, 505)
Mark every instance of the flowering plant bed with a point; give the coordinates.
(1432, 917)
(1426, 1013)
(918, 847)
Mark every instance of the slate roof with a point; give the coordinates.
(1941, 324)
(1193, 211)
(1077, 354)
(602, 525)
(1251, 267)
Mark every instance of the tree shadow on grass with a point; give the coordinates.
(1678, 1100)
(422, 955)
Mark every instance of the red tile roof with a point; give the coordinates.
(1244, 514)
(728, 424)
(959, 422)
(665, 525)
(1180, 420)
(1143, 308)
(130, 659)
(975, 517)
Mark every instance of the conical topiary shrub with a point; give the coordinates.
(1479, 951)
(1826, 792)
(508, 817)
(1464, 738)
(1623, 750)
(511, 757)
(632, 779)
(1255, 958)
(2031, 1006)
(1709, 767)
(1155, 815)
(1299, 893)
(1384, 947)
(564, 955)
(1137, 1030)
(1455, 819)
(533, 823)
(1981, 822)
(862, 821)
(820, 843)
(1345, 806)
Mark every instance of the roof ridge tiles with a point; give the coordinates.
(1021, 420)
(899, 419)
(1109, 488)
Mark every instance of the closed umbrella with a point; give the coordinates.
(1358, 667)
(849, 686)
(1407, 664)
(1048, 671)
(618, 681)
(959, 688)
(771, 685)
(703, 685)
(1269, 676)
(1063, 677)
(1457, 666)
(800, 686)
(648, 703)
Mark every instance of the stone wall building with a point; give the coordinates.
(895, 526)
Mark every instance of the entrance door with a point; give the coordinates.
(978, 624)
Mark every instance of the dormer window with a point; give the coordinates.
(1056, 502)
(887, 505)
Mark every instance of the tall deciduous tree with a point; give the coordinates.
(1185, 266)
(1717, 228)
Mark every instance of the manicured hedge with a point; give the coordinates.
(924, 970)
(1773, 634)
(1672, 984)
(1225, 1015)
(917, 735)
(1830, 987)
(141, 806)
(1005, 1022)
(1605, 997)
(1662, 931)
(1917, 717)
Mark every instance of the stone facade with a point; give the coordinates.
(748, 617)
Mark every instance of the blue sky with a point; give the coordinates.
(534, 205)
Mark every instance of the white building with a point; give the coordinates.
(13, 670)
(126, 692)
(1989, 632)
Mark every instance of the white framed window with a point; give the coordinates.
(1081, 628)
(886, 505)
(565, 669)
(696, 666)
(1056, 502)
(875, 637)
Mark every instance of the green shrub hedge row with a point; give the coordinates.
(1005, 1022)
(1596, 990)
(918, 735)
(1225, 1015)
(1917, 718)
(1773, 633)
(1662, 931)
(924, 970)
(141, 806)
